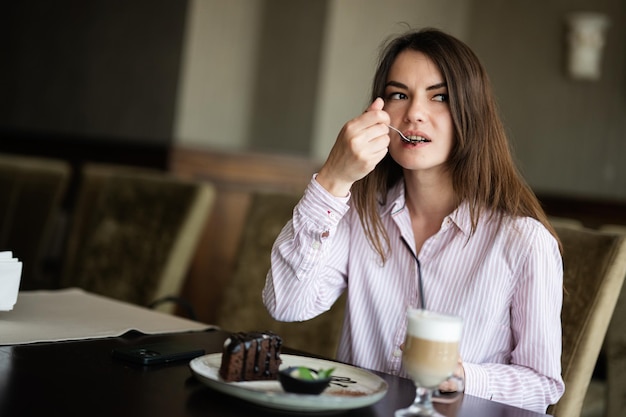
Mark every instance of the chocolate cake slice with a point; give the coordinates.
(251, 356)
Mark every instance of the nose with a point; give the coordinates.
(416, 112)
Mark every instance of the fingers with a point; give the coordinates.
(377, 104)
(449, 391)
(362, 143)
(460, 371)
(374, 113)
(371, 126)
(449, 385)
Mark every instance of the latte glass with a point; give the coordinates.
(430, 356)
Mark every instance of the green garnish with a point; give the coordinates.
(325, 373)
(306, 374)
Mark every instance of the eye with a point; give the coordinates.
(440, 97)
(396, 96)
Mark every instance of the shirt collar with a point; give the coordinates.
(396, 201)
(461, 218)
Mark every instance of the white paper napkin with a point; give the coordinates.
(10, 275)
(74, 314)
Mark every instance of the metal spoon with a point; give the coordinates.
(404, 138)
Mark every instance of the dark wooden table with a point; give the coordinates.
(80, 378)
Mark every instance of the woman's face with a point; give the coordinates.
(416, 98)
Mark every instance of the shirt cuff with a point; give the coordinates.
(476, 380)
(323, 190)
(323, 207)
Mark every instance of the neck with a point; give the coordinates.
(429, 200)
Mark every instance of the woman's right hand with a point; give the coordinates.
(362, 143)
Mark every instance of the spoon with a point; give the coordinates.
(404, 138)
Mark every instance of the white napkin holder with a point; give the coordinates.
(10, 275)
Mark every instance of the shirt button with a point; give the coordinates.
(397, 353)
(315, 245)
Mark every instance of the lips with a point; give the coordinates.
(417, 139)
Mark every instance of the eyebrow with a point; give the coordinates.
(429, 88)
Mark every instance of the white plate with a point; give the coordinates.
(351, 388)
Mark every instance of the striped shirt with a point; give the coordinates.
(505, 282)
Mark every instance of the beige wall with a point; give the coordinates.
(569, 136)
(216, 85)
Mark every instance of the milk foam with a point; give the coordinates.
(430, 325)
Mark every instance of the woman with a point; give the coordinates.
(444, 222)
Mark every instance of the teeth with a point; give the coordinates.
(418, 139)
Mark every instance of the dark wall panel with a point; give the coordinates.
(97, 68)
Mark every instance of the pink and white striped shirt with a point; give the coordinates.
(506, 284)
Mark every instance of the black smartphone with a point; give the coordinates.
(157, 353)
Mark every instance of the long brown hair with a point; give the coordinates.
(481, 165)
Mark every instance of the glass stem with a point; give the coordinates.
(423, 404)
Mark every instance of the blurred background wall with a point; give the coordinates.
(281, 76)
(569, 136)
